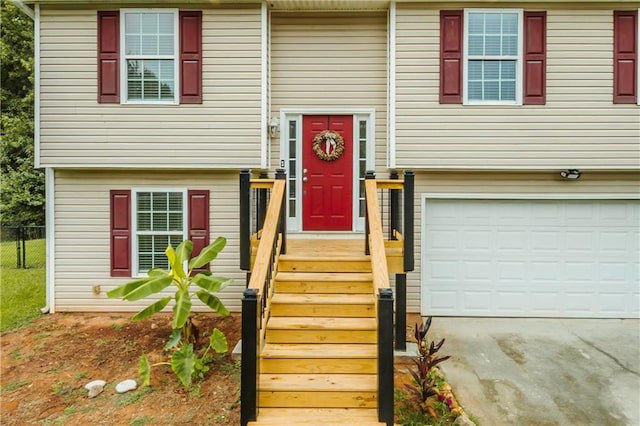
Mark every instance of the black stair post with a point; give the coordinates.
(394, 215)
(409, 213)
(282, 220)
(385, 356)
(249, 368)
(401, 312)
(245, 220)
(370, 174)
(261, 205)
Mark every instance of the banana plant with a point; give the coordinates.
(182, 278)
(184, 361)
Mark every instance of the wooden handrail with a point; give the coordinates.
(271, 225)
(376, 237)
(390, 183)
(262, 183)
(263, 255)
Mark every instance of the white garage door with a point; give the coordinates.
(531, 258)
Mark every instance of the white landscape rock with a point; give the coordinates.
(95, 387)
(95, 391)
(89, 385)
(126, 386)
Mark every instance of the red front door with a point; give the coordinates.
(327, 186)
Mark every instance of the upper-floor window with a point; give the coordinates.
(493, 56)
(149, 56)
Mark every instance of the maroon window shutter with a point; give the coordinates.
(108, 56)
(451, 56)
(535, 58)
(199, 221)
(190, 57)
(120, 233)
(625, 57)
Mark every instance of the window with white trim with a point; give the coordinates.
(159, 220)
(493, 56)
(150, 56)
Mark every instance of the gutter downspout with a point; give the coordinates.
(34, 14)
(49, 173)
(50, 241)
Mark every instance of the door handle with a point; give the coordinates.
(304, 179)
(304, 171)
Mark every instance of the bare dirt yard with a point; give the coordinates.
(45, 366)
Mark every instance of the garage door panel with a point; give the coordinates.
(565, 258)
(511, 271)
(580, 243)
(477, 301)
(580, 273)
(545, 241)
(615, 243)
(443, 240)
(614, 272)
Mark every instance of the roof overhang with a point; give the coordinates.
(321, 4)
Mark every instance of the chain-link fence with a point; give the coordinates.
(23, 246)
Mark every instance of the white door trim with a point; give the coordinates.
(289, 114)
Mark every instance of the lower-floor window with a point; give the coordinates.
(160, 222)
(145, 221)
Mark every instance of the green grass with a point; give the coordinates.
(14, 385)
(22, 291)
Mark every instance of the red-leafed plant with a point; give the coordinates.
(424, 377)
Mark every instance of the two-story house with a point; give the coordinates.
(520, 120)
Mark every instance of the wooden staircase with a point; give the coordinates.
(319, 362)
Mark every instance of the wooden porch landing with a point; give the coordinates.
(319, 363)
(326, 246)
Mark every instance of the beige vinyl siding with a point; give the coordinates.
(82, 233)
(579, 126)
(496, 183)
(222, 132)
(330, 62)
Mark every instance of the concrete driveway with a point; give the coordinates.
(543, 371)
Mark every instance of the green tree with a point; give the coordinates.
(22, 186)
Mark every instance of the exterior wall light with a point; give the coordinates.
(571, 174)
(274, 126)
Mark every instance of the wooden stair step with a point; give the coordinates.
(324, 282)
(323, 299)
(291, 399)
(319, 287)
(311, 263)
(323, 305)
(325, 276)
(321, 323)
(317, 416)
(336, 358)
(321, 330)
(318, 382)
(326, 351)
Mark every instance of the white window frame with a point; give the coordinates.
(124, 92)
(466, 57)
(135, 248)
